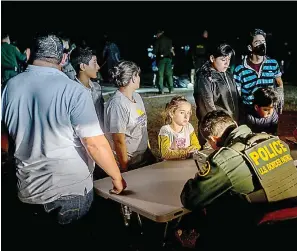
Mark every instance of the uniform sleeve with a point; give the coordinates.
(20, 56)
(116, 118)
(205, 187)
(165, 145)
(83, 116)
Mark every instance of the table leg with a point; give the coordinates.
(126, 214)
(140, 224)
(165, 234)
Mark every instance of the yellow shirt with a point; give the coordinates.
(177, 145)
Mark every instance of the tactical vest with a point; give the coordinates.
(271, 163)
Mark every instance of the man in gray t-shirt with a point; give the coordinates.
(57, 136)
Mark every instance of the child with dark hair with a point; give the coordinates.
(262, 117)
(215, 88)
(84, 61)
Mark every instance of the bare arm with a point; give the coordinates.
(100, 151)
(172, 51)
(121, 149)
(279, 82)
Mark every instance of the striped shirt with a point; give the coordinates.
(248, 80)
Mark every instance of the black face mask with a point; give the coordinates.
(260, 50)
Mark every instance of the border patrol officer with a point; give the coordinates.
(10, 56)
(164, 51)
(245, 170)
(242, 163)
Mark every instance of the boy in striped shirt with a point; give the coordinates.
(258, 71)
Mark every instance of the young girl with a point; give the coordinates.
(177, 139)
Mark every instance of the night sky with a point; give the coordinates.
(133, 24)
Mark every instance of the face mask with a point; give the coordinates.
(260, 50)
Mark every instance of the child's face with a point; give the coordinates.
(222, 63)
(182, 114)
(92, 68)
(264, 111)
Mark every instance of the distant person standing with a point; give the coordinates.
(164, 51)
(10, 57)
(111, 53)
(67, 68)
(199, 51)
(258, 71)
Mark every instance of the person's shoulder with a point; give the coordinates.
(189, 127)
(116, 101)
(137, 96)
(224, 155)
(271, 60)
(165, 130)
(239, 68)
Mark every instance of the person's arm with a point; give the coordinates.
(117, 53)
(172, 51)
(205, 96)
(274, 123)
(22, 57)
(279, 82)
(120, 146)
(237, 79)
(100, 151)
(116, 121)
(194, 141)
(279, 89)
(156, 48)
(85, 123)
(209, 183)
(277, 76)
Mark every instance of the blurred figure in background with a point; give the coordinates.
(10, 59)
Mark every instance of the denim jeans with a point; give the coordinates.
(70, 208)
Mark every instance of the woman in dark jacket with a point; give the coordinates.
(215, 88)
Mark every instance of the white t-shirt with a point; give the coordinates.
(178, 140)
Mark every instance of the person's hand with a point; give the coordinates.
(28, 52)
(118, 185)
(281, 99)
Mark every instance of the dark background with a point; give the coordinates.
(133, 24)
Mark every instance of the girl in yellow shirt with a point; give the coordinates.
(177, 138)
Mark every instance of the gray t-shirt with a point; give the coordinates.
(121, 115)
(96, 92)
(47, 114)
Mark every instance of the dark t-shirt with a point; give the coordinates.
(163, 47)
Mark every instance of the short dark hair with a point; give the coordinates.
(4, 35)
(221, 50)
(254, 33)
(48, 48)
(265, 97)
(80, 56)
(215, 124)
(123, 72)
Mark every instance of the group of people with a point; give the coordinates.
(60, 128)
